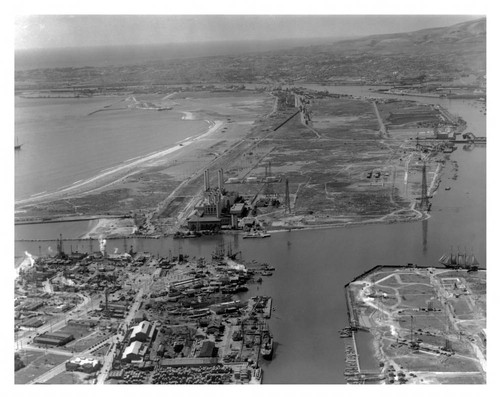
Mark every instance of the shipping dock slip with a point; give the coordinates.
(428, 325)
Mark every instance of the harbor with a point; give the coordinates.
(325, 259)
(166, 320)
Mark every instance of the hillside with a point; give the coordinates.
(438, 54)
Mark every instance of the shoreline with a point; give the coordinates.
(128, 165)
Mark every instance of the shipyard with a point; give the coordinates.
(136, 318)
(196, 220)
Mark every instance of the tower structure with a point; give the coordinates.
(206, 176)
(411, 329)
(106, 294)
(287, 197)
(220, 175)
(60, 251)
(268, 189)
(424, 199)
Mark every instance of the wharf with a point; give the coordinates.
(268, 308)
(41, 240)
(35, 221)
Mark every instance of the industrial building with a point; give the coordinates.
(53, 338)
(134, 352)
(217, 207)
(207, 349)
(142, 332)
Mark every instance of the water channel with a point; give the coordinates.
(312, 266)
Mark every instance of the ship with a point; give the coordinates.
(18, 145)
(459, 260)
(256, 234)
(266, 348)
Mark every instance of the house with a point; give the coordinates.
(214, 326)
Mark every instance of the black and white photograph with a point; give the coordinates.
(249, 198)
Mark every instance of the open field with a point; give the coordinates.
(37, 363)
(408, 114)
(419, 327)
(70, 378)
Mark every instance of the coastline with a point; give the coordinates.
(128, 167)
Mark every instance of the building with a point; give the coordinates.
(53, 338)
(144, 331)
(203, 222)
(134, 352)
(237, 209)
(214, 326)
(32, 323)
(87, 365)
(207, 349)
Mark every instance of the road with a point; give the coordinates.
(108, 360)
(62, 367)
(50, 326)
(383, 129)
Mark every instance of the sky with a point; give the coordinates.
(57, 31)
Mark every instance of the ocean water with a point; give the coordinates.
(63, 144)
(313, 266)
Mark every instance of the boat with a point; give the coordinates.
(460, 260)
(266, 348)
(256, 234)
(18, 145)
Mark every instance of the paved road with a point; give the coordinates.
(50, 326)
(62, 367)
(108, 360)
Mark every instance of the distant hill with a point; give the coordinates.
(103, 56)
(468, 36)
(444, 54)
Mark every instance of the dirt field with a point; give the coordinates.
(69, 378)
(37, 363)
(419, 326)
(340, 169)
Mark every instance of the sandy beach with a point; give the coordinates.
(120, 171)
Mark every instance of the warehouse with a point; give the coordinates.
(142, 332)
(53, 338)
(134, 352)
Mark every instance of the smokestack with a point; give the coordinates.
(217, 208)
(207, 181)
(102, 246)
(221, 180)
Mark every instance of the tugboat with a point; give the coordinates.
(266, 348)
